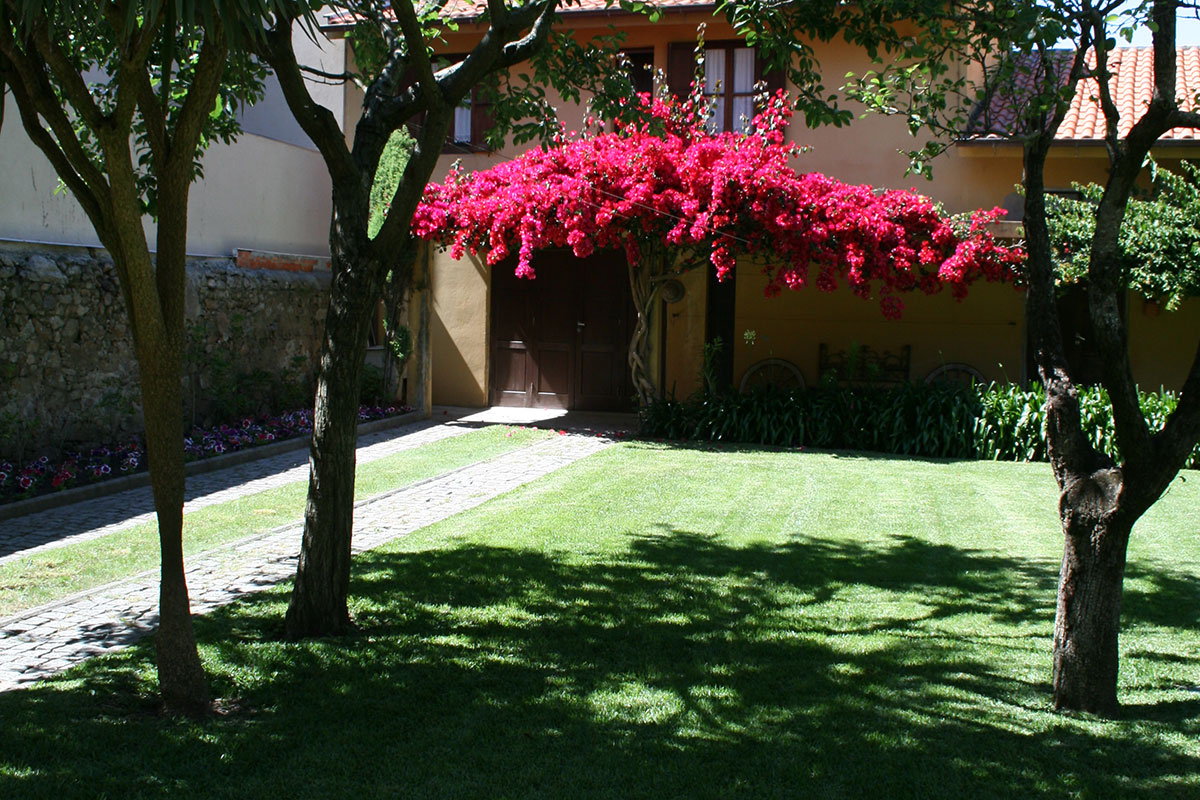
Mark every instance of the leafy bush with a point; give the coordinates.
(1000, 422)
(372, 388)
(387, 177)
(1159, 245)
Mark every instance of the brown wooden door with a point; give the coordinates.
(559, 340)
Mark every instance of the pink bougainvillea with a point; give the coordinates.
(667, 181)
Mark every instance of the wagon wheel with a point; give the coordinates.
(956, 374)
(772, 372)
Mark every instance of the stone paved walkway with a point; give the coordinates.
(39, 642)
(92, 519)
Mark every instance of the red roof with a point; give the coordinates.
(469, 9)
(1132, 84)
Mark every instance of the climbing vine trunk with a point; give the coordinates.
(645, 284)
(318, 605)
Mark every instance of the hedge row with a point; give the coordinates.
(1001, 422)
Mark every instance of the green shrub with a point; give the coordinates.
(1000, 422)
(371, 391)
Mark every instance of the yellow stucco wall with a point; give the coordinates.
(685, 336)
(985, 331)
(1162, 343)
(459, 330)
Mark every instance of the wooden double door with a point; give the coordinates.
(560, 340)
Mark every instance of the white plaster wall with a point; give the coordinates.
(263, 195)
(29, 209)
(270, 116)
(269, 190)
(256, 193)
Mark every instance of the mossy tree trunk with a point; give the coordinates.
(360, 262)
(90, 149)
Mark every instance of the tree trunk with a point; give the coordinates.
(180, 674)
(1087, 619)
(318, 605)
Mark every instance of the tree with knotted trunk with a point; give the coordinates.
(122, 98)
(1012, 69)
(673, 195)
(403, 84)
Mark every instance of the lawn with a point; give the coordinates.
(669, 622)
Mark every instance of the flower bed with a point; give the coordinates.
(44, 475)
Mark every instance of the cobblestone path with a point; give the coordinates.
(91, 519)
(37, 643)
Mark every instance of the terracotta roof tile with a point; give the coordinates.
(1132, 84)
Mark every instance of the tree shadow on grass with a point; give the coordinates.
(681, 667)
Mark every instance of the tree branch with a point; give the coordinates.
(35, 91)
(498, 12)
(336, 77)
(94, 204)
(69, 79)
(516, 52)
(316, 120)
(198, 104)
(417, 55)
(1105, 282)
(1103, 78)
(1183, 119)
(153, 115)
(133, 63)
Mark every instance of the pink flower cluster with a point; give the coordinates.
(667, 180)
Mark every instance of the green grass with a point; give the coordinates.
(658, 622)
(51, 574)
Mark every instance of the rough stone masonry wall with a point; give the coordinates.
(68, 375)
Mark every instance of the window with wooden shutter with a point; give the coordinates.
(731, 70)
(641, 70)
(471, 121)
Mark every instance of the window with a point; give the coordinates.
(462, 122)
(729, 77)
(641, 70)
(471, 121)
(731, 69)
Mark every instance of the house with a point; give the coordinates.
(560, 340)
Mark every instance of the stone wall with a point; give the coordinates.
(68, 375)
